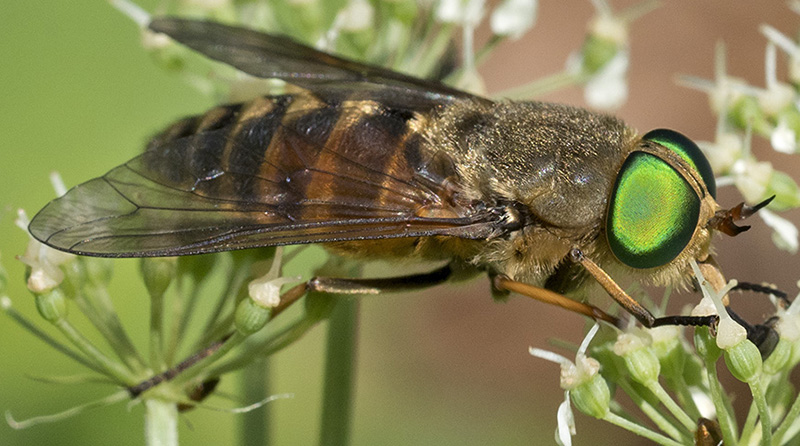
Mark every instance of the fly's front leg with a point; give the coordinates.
(503, 283)
(644, 316)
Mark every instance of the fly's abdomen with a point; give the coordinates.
(276, 152)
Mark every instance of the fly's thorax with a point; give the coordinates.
(558, 161)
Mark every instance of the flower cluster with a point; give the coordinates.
(224, 306)
(650, 366)
(188, 313)
(771, 112)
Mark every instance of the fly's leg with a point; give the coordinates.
(637, 310)
(335, 285)
(503, 283)
(330, 285)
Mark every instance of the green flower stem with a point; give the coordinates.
(232, 289)
(157, 360)
(788, 421)
(110, 318)
(274, 343)
(652, 412)
(109, 367)
(749, 423)
(255, 425)
(430, 55)
(640, 430)
(181, 312)
(202, 365)
(44, 337)
(724, 418)
(672, 406)
(337, 405)
(760, 398)
(544, 85)
(400, 52)
(160, 422)
(679, 385)
(96, 304)
(487, 48)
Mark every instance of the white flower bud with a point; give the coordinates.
(566, 422)
(43, 260)
(752, 178)
(608, 89)
(356, 16)
(783, 138)
(449, 11)
(608, 27)
(513, 18)
(775, 98)
(729, 333)
(266, 291)
(722, 153)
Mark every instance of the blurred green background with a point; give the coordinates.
(79, 95)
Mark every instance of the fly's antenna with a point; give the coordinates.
(724, 220)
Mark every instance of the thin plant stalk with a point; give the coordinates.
(338, 393)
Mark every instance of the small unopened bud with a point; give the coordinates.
(668, 349)
(776, 98)
(783, 138)
(356, 15)
(744, 361)
(250, 317)
(785, 189)
(513, 18)
(99, 271)
(706, 345)
(640, 360)
(597, 52)
(158, 273)
(51, 305)
(592, 397)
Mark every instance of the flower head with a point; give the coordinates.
(44, 261)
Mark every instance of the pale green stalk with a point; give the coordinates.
(160, 423)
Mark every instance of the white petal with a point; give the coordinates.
(752, 178)
(785, 235)
(473, 13)
(514, 17)
(783, 138)
(729, 333)
(267, 293)
(450, 11)
(704, 403)
(357, 15)
(566, 422)
(608, 89)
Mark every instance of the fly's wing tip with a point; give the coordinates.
(79, 216)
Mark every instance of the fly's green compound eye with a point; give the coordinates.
(688, 150)
(652, 213)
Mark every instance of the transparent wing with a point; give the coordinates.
(294, 173)
(270, 56)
